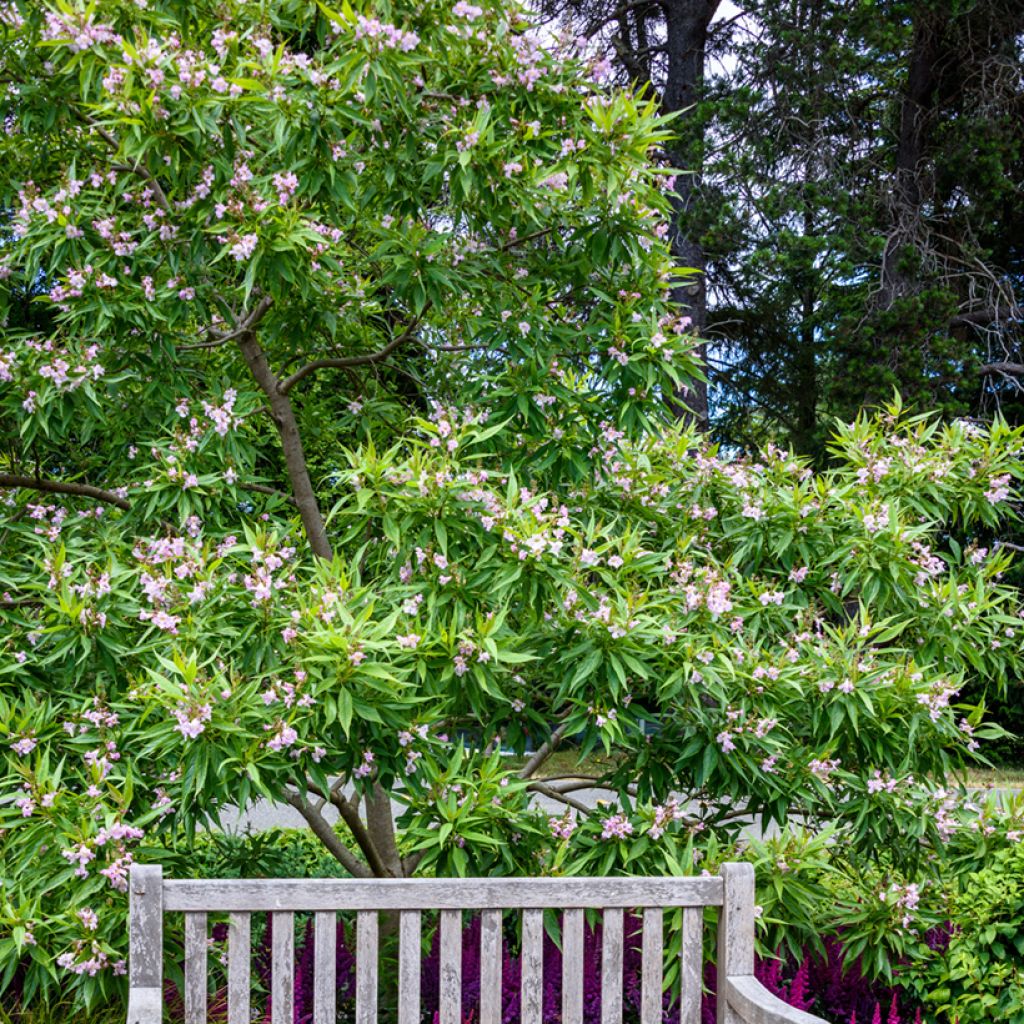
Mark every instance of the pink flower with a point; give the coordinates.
(618, 826)
(24, 746)
(244, 247)
(409, 642)
(285, 184)
(563, 827)
(284, 737)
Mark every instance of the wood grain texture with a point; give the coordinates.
(735, 932)
(651, 967)
(438, 893)
(490, 967)
(367, 930)
(195, 968)
(736, 921)
(611, 967)
(282, 990)
(146, 927)
(531, 961)
(145, 1006)
(325, 987)
(450, 979)
(410, 930)
(752, 1003)
(572, 967)
(691, 966)
(239, 953)
(747, 1002)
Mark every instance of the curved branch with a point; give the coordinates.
(13, 480)
(546, 749)
(553, 794)
(245, 325)
(323, 831)
(263, 489)
(1009, 369)
(340, 363)
(346, 362)
(143, 172)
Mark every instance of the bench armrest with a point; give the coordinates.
(145, 1006)
(754, 1004)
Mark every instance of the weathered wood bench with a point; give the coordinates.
(742, 999)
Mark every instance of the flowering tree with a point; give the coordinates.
(334, 464)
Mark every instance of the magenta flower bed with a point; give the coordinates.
(817, 984)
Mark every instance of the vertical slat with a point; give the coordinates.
(195, 968)
(325, 989)
(451, 967)
(366, 967)
(239, 952)
(611, 967)
(572, 967)
(146, 927)
(409, 933)
(532, 967)
(490, 967)
(651, 967)
(735, 931)
(282, 991)
(690, 966)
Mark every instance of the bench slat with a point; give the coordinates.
(611, 967)
(692, 957)
(572, 967)
(532, 967)
(651, 967)
(490, 967)
(325, 989)
(214, 895)
(451, 967)
(366, 967)
(239, 952)
(146, 927)
(195, 968)
(282, 990)
(410, 928)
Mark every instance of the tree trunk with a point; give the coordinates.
(686, 32)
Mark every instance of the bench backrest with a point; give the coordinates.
(152, 895)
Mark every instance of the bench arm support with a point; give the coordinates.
(145, 1006)
(752, 1003)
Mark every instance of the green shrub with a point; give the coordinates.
(979, 976)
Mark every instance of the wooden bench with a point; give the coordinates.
(745, 1000)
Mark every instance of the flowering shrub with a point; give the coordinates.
(335, 463)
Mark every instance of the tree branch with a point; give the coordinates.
(553, 794)
(342, 362)
(143, 172)
(323, 831)
(547, 748)
(11, 480)
(263, 489)
(283, 414)
(248, 323)
(1009, 369)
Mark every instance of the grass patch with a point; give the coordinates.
(996, 777)
(569, 762)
